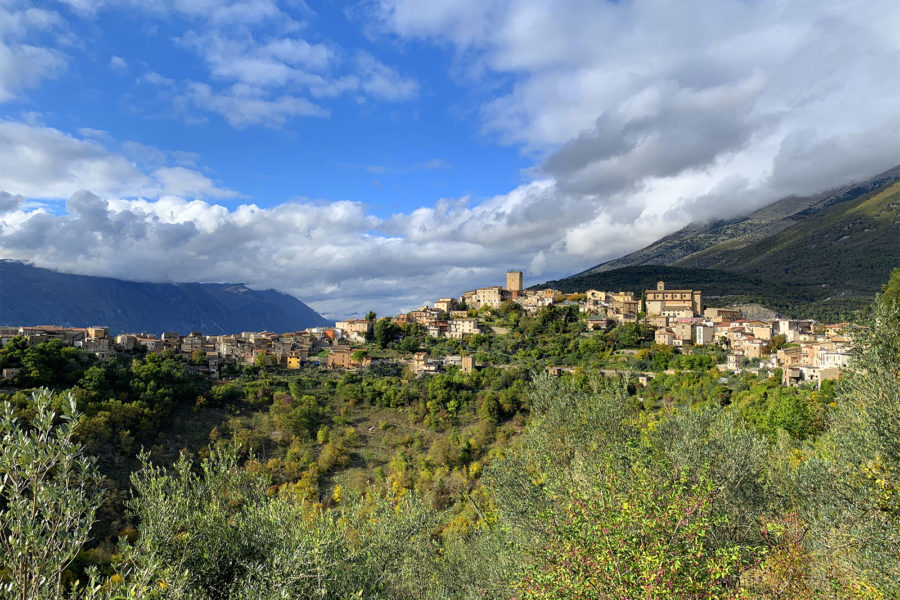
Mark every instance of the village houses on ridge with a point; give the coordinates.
(807, 352)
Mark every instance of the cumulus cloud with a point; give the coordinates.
(683, 99)
(10, 202)
(263, 66)
(45, 163)
(334, 255)
(24, 64)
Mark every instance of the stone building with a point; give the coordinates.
(514, 283)
(673, 302)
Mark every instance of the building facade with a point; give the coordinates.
(673, 302)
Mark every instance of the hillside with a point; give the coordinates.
(720, 288)
(724, 244)
(826, 255)
(849, 247)
(33, 296)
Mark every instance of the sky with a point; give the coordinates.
(379, 154)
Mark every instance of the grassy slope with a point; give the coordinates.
(849, 247)
(825, 266)
(697, 244)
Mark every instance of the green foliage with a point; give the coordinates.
(630, 335)
(219, 533)
(49, 363)
(772, 407)
(385, 331)
(48, 497)
(852, 479)
(670, 510)
(642, 535)
(135, 399)
(891, 291)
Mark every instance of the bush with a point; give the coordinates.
(48, 497)
(220, 533)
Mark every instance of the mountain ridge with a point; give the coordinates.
(678, 248)
(34, 296)
(824, 255)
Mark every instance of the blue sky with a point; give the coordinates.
(392, 153)
(381, 153)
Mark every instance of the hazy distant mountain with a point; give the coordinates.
(834, 248)
(33, 296)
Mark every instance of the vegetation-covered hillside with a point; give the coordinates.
(720, 288)
(824, 256)
(502, 483)
(693, 245)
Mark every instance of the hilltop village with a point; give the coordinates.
(806, 352)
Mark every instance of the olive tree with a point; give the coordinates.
(48, 496)
(217, 530)
(599, 504)
(851, 482)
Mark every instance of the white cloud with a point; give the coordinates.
(263, 66)
(154, 78)
(44, 163)
(117, 63)
(186, 182)
(266, 82)
(243, 105)
(383, 82)
(218, 11)
(657, 113)
(24, 65)
(336, 255)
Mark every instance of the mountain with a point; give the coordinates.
(33, 296)
(826, 254)
(725, 244)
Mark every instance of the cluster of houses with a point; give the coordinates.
(806, 351)
(814, 352)
(205, 353)
(452, 317)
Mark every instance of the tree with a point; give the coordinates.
(219, 532)
(385, 330)
(260, 360)
(48, 496)
(601, 507)
(852, 481)
(892, 288)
